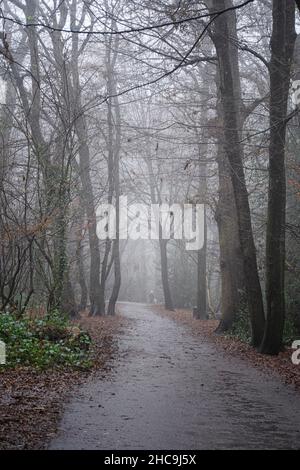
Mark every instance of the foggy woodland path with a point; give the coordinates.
(168, 390)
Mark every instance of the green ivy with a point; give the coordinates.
(43, 343)
(241, 328)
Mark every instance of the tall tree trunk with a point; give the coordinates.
(6, 122)
(201, 313)
(96, 298)
(234, 151)
(231, 263)
(80, 261)
(114, 122)
(97, 307)
(82, 282)
(117, 267)
(297, 59)
(68, 301)
(116, 244)
(282, 47)
(165, 273)
(111, 90)
(155, 199)
(231, 268)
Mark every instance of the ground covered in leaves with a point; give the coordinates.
(31, 401)
(280, 365)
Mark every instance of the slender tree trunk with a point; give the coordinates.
(110, 157)
(116, 243)
(297, 59)
(82, 282)
(165, 273)
(114, 122)
(201, 313)
(97, 307)
(80, 262)
(6, 120)
(162, 243)
(96, 297)
(282, 47)
(117, 268)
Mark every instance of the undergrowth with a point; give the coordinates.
(241, 330)
(49, 342)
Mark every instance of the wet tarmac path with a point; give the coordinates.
(171, 390)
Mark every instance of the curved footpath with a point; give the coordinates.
(168, 390)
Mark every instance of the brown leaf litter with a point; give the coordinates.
(31, 401)
(280, 365)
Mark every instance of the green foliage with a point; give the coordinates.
(44, 342)
(241, 328)
(293, 302)
(290, 332)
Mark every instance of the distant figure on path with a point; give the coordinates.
(151, 297)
